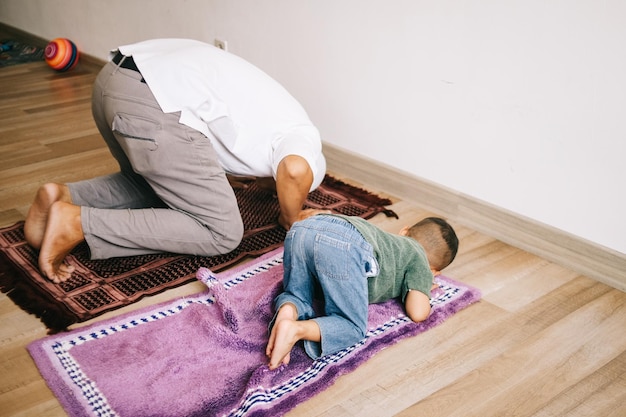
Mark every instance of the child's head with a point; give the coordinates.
(437, 238)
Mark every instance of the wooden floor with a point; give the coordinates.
(544, 341)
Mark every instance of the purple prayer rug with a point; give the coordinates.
(204, 355)
(99, 286)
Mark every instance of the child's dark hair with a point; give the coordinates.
(438, 239)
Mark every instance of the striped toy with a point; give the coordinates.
(61, 54)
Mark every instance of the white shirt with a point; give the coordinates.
(251, 119)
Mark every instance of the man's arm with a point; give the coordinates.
(293, 182)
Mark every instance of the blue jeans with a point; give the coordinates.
(328, 251)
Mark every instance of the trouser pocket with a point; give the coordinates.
(139, 138)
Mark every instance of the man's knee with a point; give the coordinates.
(232, 236)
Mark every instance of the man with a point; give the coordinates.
(178, 115)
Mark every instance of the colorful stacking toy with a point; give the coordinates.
(61, 54)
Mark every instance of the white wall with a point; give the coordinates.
(519, 103)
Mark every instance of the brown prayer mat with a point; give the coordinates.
(99, 286)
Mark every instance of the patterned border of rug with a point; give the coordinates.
(99, 286)
(204, 355)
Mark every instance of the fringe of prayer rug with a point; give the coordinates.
(99, 286)
(204, 355)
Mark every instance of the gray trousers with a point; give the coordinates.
(171, 194)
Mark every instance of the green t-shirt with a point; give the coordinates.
(402, 262)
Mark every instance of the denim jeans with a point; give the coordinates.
(328, 251)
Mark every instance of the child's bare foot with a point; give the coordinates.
(285, 337)
(37, 217)
(63, 232)
(286, 312)
(287, 331)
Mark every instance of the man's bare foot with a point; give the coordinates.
(63, 232)
(37, 217)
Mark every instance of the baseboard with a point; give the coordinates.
(23, 36)
(580, 255)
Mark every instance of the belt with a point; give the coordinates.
(126, 61)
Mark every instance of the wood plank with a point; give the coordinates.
(602, 393)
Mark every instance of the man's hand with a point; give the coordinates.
(301, 216)
(312, 212)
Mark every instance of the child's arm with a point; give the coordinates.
(417, 305)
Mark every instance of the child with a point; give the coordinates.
(354, 263)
